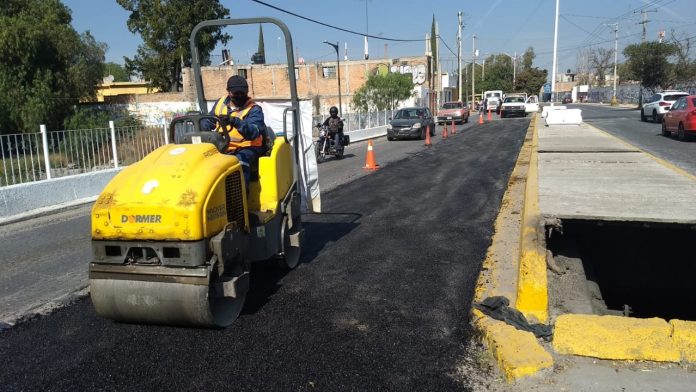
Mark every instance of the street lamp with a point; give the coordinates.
(514, 69)
(338, 76)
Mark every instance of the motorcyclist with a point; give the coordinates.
(335, 128)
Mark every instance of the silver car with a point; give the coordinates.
(656, 106)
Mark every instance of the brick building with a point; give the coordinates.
(317, 81)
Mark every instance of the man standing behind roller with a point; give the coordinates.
(243, 121)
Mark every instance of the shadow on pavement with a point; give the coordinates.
(323, 229)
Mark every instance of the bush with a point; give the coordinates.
(91, 117)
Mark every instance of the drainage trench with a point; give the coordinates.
(634, 269)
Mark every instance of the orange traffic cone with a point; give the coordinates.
(480, 118)
(370, 163)
(444, 131)
(454, 129)
(428, 143)
(489, 115)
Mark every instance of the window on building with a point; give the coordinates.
(242, 72)
(329, 72)
(297, 74)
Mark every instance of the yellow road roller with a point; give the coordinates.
(173, 235)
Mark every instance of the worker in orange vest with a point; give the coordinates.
(243, 121)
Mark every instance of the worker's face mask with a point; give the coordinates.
(239, 98)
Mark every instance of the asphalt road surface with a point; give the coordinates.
(380, 302)
(625, 123)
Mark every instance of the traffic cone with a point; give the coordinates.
(489, 115)
(370, 163)
(454, 129)
(480, 118)
(444, 131)
(428, 143)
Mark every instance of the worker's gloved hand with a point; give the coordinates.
(224, 121)
(235, 122)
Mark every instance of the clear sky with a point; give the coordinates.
(500, 26)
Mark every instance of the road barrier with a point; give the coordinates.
(370, 162)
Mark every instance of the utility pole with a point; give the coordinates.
(473, 71)
(644, 22)
(459, 55)
(555, 49)
(439, 73)
(616, 50)
(514, 71)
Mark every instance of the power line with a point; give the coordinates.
(445, 43)
(335, 27)
(578, 26)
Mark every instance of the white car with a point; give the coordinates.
(656, 106)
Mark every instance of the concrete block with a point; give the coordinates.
(684, 337)
(614, 337)
(518, 353)
(22, 198)
(564, 116)
(545, 110)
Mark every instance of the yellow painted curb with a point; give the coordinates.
(532, 291)
(518, 353)
(684, 337)
(615, 337)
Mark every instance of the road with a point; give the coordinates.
(625, 123)
(381, 300)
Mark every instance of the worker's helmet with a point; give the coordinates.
(333, 111)
(237, 83)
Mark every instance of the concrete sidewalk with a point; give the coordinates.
(587, 174)
(582, 173)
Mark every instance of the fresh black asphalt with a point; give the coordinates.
(381, 301)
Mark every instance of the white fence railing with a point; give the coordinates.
(42, 155)
(28, 157)
(360, 120)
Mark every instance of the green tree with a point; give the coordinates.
(46, 67)
(530, 79)
(498, 74)
(165, 27)
(383, 92)
(262, 49)
(118, 71)
(648, 62)
(433, 45)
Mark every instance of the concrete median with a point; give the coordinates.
(24, 200)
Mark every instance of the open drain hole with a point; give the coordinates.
(629, 268)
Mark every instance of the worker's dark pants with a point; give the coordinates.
(248, 157)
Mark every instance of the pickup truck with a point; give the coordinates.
(495, 98)
(519, 104)
(453, 111)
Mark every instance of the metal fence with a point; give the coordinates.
(28, 157)
(360, 120)
(42, 155)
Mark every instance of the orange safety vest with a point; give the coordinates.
(236, 139)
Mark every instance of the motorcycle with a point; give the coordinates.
(326, 145)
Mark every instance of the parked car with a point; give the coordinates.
(514, 104)
(453, 111)
(656, 106)
(411, 123)
(680, 118)
(567, 99)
